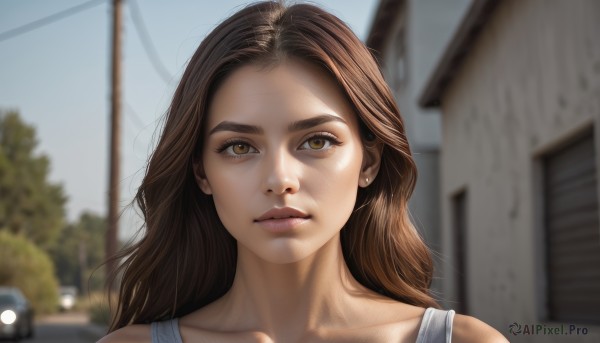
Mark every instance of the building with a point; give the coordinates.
(518, 87)
(408, 37)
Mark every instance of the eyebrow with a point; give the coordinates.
(295, 126)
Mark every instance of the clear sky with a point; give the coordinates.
(57, 77)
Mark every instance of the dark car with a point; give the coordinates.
(16, 314)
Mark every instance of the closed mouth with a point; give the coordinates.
(282, 213)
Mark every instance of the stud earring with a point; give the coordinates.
(367, 180)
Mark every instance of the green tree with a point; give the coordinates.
(29, 268)
(79, 251)
(30, 205)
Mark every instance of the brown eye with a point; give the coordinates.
(236, 149)
(316, 143)
(240, 149)
(320, 142)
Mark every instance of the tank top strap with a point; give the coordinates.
(436, 326)
(166, 331)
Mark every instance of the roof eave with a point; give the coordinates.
(385, 15)
(462, 40)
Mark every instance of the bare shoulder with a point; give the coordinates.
(467, 329)
(138, 333)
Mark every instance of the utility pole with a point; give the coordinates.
(115, 141)
(82, 256)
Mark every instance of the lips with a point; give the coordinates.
(284, 220)
(282, 213)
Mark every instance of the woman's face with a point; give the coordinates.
(282, 159)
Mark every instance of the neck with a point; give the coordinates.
(294, 298)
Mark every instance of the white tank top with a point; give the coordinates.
(436, 327)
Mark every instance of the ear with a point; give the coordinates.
(200, 177)
(371, 162)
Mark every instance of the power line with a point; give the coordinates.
(49, 19)
(140, 28)
(135, 118)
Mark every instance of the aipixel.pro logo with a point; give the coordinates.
(543, 329)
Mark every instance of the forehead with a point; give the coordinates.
(287, 91)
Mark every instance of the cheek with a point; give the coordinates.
(230, 188)
(334, 185)
(232, 208)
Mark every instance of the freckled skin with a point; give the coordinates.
(280, 168)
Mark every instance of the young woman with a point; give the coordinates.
(276, 199)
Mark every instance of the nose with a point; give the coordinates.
(282, 171)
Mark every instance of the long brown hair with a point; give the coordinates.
(186, 258)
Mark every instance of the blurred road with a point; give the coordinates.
(65, 328)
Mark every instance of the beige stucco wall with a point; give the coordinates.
(530, 81)
(428, 25)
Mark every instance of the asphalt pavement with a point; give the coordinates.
(65, 328)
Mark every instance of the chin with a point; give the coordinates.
(285, 256)
(293, 250)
